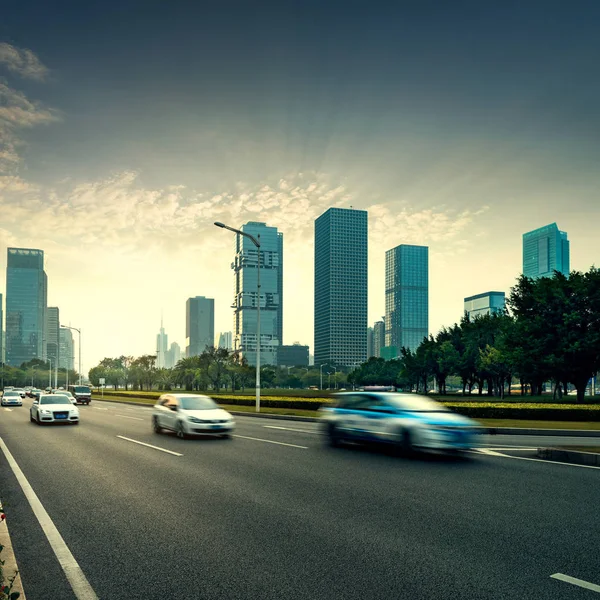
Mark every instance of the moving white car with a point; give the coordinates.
(11, 398)
(67, 394)
(53, 408)
(188, 414)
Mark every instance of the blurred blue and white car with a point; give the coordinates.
(406, 420)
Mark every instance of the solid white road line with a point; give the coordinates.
(579, 582)
(149, 445)
(128, 417)
(98, 408)
(541, 460)
(291, 429)
(8, 409)
(79, 583)
(245, 437)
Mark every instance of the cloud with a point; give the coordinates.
(18, 112)
(23, 62)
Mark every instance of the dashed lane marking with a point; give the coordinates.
(291, 429)
(245, 437)
(128, 417)
(578, 582)
(540, 460)
(149, 445)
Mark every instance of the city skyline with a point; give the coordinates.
(120, 180)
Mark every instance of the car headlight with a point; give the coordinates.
(45, 411)
(195, 420)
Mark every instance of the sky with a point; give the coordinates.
(127, 128)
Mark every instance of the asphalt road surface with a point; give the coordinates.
(276, 514)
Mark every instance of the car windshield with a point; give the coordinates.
(413, 403)
(197, 403)
(82, 389)
(11, 393)
(54, 399)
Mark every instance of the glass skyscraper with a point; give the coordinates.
(341, 251)
(66, 351)
(406, 296)
(26, 301)
(199, 325)
(53, 335)
(2, 358)
(378, 337)
(271, 293)
(484, 304)
(162, 347)
(546, 250)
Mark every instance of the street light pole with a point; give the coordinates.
(256, 242)
(79, 332)
(50, 373)
(321, 372)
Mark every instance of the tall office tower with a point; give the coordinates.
(162, 347)
(225, 340)
(199, 325)
(66, 349)
(173, 355)
(2, 359)
(53, 335)
(484, 304)
(370, 340)
(341, 251)
(546, 250)
(271, 293)
(406, 296)
(26, 301)
(378, 337)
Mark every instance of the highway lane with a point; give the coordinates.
(245, 518)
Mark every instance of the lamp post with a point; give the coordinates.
(256, 242)
(79, 332)
(50, 373)
(321, 373)
(335, 377)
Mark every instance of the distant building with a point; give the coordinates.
(295, 355)
(341, 253)
(66, 353)
(370, 340)
(173, 355)
(199, 325)
(162, 347)
(546, 250)
(389, 352)
(271, 293)
(406, 296)
(484, 304)
(226, 340)
(53, 335)
(26, 302)
(378, 337)
(2, 358)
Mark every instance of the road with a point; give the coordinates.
(275, 514)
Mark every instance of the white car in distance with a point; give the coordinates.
(53, 408)
(188, 414)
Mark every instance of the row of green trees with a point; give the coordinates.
(215, 369)
(36, 373)
(550, 332)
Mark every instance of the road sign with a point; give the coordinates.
(102, 380)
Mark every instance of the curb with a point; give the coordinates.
(544, 432)
(571, 456)
(10, 561)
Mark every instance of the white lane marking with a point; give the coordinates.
(245, 437)
(291, 429)
(579, 582)
(79, 583)
(8, 409)
(149, 446)
(542, 460)
(128, 417)
(509, 448)
(98, 408)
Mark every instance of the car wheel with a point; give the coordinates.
(334, 437)
(181, 431)
(155, 426)
(407, 447)
(75, 422)
(31, 418)
(226, 436)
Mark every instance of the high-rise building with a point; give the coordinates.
(271, 293)
(53, 335)
(199, 325)
(378, 337)
(225, 340)
(295, 355)
(162, 347)
(66, 349)
(484, 304)
(406, 296)
(26, 301)
(173, 355)
(341, 251)
(2, 359)
(370, 340)
(546, 250)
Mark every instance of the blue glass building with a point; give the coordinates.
(406, 296)
(271, 293)
(341, 251)
(26, 301)
(199, 325)
(484, 304)
(546, 250)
